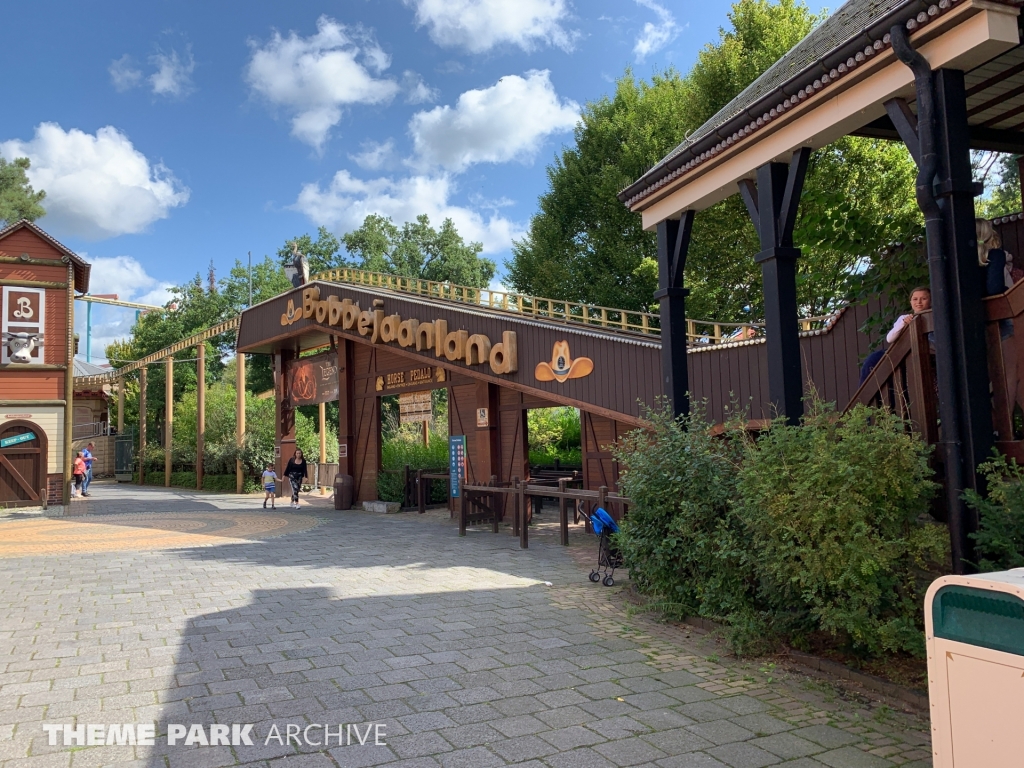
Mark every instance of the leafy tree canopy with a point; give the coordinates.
(415, 249)
(585, 245)
(17, 198)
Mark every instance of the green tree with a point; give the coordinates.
(585, 245)
(322, 253)
(17, 198)
(418, 250)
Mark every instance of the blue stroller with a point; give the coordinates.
(608, 557)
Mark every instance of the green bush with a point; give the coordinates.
(682, 539)
(405, 447)
(999, 541)
(798, 531)
(832, 507)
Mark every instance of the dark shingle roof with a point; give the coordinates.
(855, 25)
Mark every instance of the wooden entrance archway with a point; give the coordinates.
(23, 464)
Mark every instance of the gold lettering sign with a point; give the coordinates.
(454, 345)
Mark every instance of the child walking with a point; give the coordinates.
(269, 485)
(78, 471)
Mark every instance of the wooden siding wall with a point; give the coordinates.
(737, 375)
(366, 422)
(1012, 235)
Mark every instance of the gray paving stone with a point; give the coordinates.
(629, 751)
(851, 757)
(691, 760)
(787, 745)
(744, 755)
(720, 731)
(826, 735)
(762, 724)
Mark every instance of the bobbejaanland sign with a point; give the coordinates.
(381, 328)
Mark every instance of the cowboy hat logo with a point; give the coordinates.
(562, 366)
(291, 315)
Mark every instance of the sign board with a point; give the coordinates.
(22, 323)
(342, 450)
(457, 463)
(313, 380)
(482, 417)
(24, 437)
(402, 379)
(414, 407)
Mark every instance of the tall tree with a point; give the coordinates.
(585, 245)
(17, 198)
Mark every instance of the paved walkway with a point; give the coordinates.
(202, 609)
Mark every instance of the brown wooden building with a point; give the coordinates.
(38, 280)
(386, 342)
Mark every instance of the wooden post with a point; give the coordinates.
(120, 406)
(495, 508)
(200, 414)
(524, 523)
(463, 510)
(69, 389)
(421, 496)
(426, 433)
(240, 418)
(323, 445)
(168, 417)
(563, 514)
(142, 425)
(515, 507)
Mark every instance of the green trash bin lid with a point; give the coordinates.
(979, 617)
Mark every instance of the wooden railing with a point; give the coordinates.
(578, 313)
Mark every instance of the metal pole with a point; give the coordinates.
(168, 417)
(239, 416)
(250, 278)
(88, 331)
(200, 413)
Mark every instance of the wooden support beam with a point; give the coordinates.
(69, 386)
(200, 413)
(120, 406)
(240, 420)
(142, 426)
(168, 417)
(673, 246)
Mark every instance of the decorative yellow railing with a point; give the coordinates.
(532, 306)
(697, 331)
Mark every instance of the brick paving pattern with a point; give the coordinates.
(469, 651)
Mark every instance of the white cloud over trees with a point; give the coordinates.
(97, 185)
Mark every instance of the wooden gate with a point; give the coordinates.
(22, 462)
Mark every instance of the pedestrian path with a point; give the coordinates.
(468, 651)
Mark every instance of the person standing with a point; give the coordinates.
(89, 459)
(296, 472)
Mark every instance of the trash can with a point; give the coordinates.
(344, 489)
(974, 627)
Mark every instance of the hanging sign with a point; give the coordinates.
(414, 407)
(313, 379)
(456, 463)
(24, 437)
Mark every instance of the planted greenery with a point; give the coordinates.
(999, 541)
(402, 445)
(554, 433)
(797, 533)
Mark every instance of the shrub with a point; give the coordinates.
(405, 446)
(832, 508)
(682, 539)
(999, 541)
(801, 530)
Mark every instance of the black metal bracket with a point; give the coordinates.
(775, 227)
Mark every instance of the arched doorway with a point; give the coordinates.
(22, 462)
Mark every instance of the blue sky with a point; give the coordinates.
(168, 134)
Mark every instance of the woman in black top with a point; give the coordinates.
(296, 472)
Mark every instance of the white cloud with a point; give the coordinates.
(347, 201)
(98, 185)
(417, 91)
(124, 74)
(654, 37)
(126, 277)
(480, 25)
(375, 155)
(507, 121)
(173, 76)
(314, 77)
